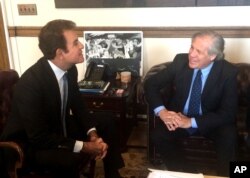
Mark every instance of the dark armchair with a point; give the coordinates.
(8, 80)
(199, 150)
(15, 168)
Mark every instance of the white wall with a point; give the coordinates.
(25, 50)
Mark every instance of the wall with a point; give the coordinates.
(25, 52)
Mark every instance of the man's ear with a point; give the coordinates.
(212, 57)
(59, 52)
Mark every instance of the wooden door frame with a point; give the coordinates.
(4, 58)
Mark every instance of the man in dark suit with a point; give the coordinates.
(217, 106)
(60, 144)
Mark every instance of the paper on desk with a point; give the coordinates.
(171, 174)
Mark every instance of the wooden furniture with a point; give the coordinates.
(199, 150)
(15, 168)
(121, 105)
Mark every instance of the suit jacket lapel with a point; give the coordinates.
(211, 80)
(187, 80)
(51, 81)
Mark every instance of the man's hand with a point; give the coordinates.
(170, 118)
(174, 120)
(185, 122)
(93, 135)
(97, 147)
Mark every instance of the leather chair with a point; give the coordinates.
(8, 80)
(15, 168)
(200, 151)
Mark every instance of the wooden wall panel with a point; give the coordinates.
(4, 58)
(148, 32)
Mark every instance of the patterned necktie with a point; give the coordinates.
(64, 102)
(195, 98)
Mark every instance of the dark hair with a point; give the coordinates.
(51, 37)
(217, 47)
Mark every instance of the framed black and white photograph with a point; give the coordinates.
(146, 3)
(120, 51)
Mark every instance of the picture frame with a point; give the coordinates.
(118, 50)
(146, 3)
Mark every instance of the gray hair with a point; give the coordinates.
(217, 46)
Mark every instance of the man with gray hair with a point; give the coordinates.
(203, 102)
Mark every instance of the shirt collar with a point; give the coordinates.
(205, 71)
(57, 71)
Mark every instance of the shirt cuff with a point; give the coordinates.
(158, 109)
(91, 130)
(78, 146)
(193, 123)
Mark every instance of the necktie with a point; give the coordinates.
(64, 102)
(195, 97)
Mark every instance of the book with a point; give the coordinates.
(93, 86)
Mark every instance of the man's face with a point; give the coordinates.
(73, 55)
(198, 52)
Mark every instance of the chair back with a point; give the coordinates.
(8, 79)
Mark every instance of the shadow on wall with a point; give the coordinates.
(237, 50)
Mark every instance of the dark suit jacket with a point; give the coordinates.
(219, 96)
(36, 109)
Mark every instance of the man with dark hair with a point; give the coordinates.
(48, 113)
(204, 101)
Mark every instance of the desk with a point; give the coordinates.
(119, 105)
